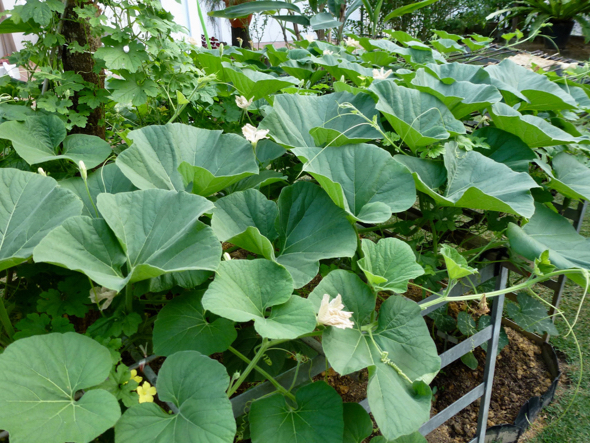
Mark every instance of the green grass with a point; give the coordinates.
(574, 427)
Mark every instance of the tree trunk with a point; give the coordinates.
(76, 30)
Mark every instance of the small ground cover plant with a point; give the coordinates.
(268, 213)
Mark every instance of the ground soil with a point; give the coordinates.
(576, 48)
(520, 374)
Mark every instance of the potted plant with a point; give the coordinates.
(561, 14)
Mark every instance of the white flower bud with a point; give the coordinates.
(41, 172)
(83, 171)
(126, 49)
(226, 256)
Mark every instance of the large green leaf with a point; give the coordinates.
(40, 378)
(354, 72)
(403, 10)
(256, 84)
(30, 207)
(348, 350)
(155, 231)
(506, 148)
(389, 264)
(547, 230)
(86, 245)
(399, 406)
(461, 97)
(246, 219)
(542, 94)
(174, 155)
(196, 384)
(363, 179)
(298, 120)
(117, 56)
(311, 228)
(531, 315)
(39, 137)
(571, 178)
(420, 119)
(245, 9)
(183, 326)
(243, 290)
(534, 131)
(317, 418)
(107, 179)
(357, 423)
(474, 181)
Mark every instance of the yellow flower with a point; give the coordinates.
(146, 392)
(135, 377)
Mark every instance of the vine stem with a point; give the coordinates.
(514, 288)
(263, 347)
(262, 372)
(203, 25)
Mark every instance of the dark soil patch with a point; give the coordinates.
(576, 48)
(352, 387)
(520, 374)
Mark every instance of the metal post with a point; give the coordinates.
(488, 376)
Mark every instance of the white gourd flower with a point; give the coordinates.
(331, 313)
(243, 102)
(83, 171)
(252, 134)
(381, 74)
(310, 38)
(126, 49)
(354, 43)
(101, 293)
(328, 52)
(41, 172)
(226, 256)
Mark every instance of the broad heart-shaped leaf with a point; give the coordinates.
(389, 264)
(155, 231)
(354, 72)
(174, 155)
(107, 179)
(183, 326)
(462, 98)
(244, 289)
(30, 207)
(246, 219)
(457, 266)
(38, 140)
(534, 131)
(531, 315)
(571, 178)
(299, 120)
(542, 94)
(251, 83)
(474, 181)
(506, 148)
(420, 119)
(357, 423)
(362, 179)
(311, 228)
(347, 349)
(547, 230)
(39, 379)
(317, 418)
(399, 407)
(196, 384)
